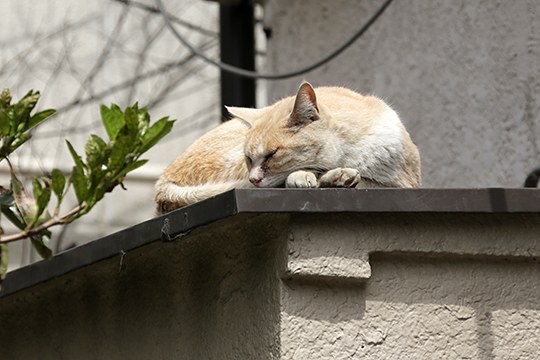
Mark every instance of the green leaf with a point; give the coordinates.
(4, 122)
(76, 157)
(98, 176)
(15, 120)
(3, 260)
(144, 120)
(132, 120)
(5, 98)
(38, 118)
(98, 187)
(120, 149)
(96, 151)
(58, 180)
(155, 133)
(41, 244)
(6, 196)
(19, 140)
(80, 184)
(14, 217)
(129, 168)
(26, 105)
(113, 119)
(38, 189)
(42, 196)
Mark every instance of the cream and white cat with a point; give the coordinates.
(323, 137)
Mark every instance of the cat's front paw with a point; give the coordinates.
(301, 179)
(340, 177)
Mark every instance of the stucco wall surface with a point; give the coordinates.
(281, 286)
(463, 75)
(438, 287)
(212, 295)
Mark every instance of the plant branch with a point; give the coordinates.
(55, 220)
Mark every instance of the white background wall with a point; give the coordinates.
(77, 50)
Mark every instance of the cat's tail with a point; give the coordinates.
(170, 196)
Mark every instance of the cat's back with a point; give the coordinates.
(216, 154)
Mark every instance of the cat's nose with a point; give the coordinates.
(255, 181)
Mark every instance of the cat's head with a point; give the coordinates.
(283, 138)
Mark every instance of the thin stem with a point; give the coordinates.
(56, 220)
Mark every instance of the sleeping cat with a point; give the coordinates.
(323, 137)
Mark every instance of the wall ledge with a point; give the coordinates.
(176, 224)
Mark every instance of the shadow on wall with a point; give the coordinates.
(202, 297)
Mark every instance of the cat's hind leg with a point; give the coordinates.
(301, 179)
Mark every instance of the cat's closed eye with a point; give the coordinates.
(271, 153)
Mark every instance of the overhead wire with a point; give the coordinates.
(268, 76)
(154, 10)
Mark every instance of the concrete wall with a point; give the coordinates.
(304, 286)
(436, 287)
(463, 75)
(212, 295)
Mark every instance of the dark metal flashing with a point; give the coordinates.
(174, 225)
(168, 227)
(482, 200)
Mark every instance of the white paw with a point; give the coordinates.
(301, 179)
(340, 177)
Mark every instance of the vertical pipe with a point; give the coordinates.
(237, 42)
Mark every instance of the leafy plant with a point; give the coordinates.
(104, 166)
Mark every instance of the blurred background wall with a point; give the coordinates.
(463, 75)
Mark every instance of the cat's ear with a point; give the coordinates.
(243, 112)
(247, 115)
(305, 108)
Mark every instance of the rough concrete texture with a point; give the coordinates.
(463, 75)
(439, 286)
(418, 308)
